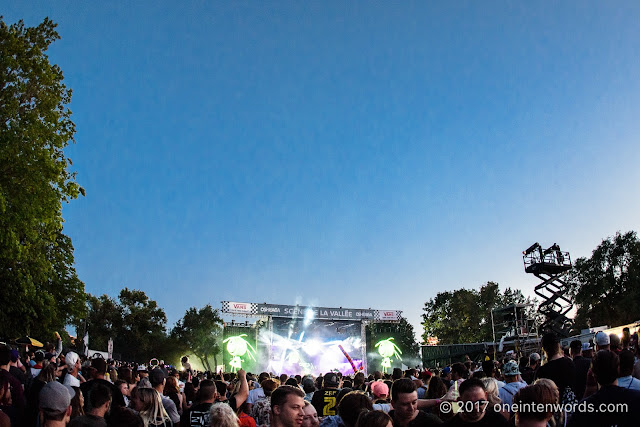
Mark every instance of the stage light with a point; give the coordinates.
(309, 315)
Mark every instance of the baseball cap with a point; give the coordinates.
(156, 376)
(446, 370)
(602, 339)
(586, 346)
(378, 388)
(534, 356)
(331, 380)
(510, 369)
(56, 397)
(71, 359)
(39, 356)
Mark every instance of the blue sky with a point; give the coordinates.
(355, 154)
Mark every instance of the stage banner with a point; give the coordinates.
(325, 313)
(247, 308)
(387, 315)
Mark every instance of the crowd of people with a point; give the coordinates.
(577, 386)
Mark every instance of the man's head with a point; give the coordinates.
(534, 360)
(550, 344)
(98, 400)
(605, 367)
(330, 380)
(379, 390)
(488, 367)
(73, 361)
(208, 391)
(528, 398)
(351, 405)
(308, 385)
(397, 374)
(287, 406)
(473, 391)
(100, 366)
(404, 398)
(575, 348)
(157, 378)
(511, 371)
(602, 341)
(55, 401)
(310, 416)
(5, 355)
(446, 373)
(614, 342)
(458, 371)
(626, 363)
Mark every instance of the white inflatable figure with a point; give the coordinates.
(237, 347)
(387, 350)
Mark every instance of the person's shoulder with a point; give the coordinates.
(427, 419)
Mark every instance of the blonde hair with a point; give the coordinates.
(491, 387)
(152, 411)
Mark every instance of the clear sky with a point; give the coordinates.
(355, 154)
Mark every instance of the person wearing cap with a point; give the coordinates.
(513, 382)
(17, 393)
(16, 368)
(325, 399)
(55, 404)
(309, 387)
(73, 363)
(582, 366)
(380, 392)
(158, 380)
(38, 359)
(602, 342)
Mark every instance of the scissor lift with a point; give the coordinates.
(549, 265)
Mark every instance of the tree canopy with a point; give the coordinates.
(464, 315)
(200, 332)
(36, 259)
(134, 321)
(606, 286)
(403, 336)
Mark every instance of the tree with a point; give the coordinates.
(200, 331)
(403, 336)
(134, 321)
(39, 284)
(606, 287)
(464, 315)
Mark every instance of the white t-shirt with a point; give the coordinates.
(72, 381)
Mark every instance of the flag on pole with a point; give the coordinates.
(85, 340)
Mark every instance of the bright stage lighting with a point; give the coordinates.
(309, 315)
(388, 349)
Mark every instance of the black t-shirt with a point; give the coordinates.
(561, 371)
(582, 365)
(196, 416)
(88, 420)
(325, 401)
(608, 416)
(421, 420)
(116, 394)
(490, 419)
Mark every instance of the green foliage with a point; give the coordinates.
(464, 315)
(200, 332)
(135, 322)
(606, 287)
(403, 336)
(39, 284)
